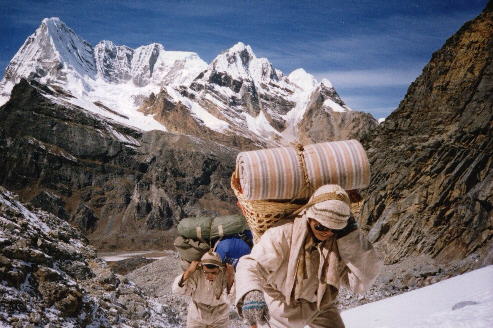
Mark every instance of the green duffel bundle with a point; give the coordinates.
(207, 228)
(189, 249)
(228, 225)
(198, 228)
(196, 235)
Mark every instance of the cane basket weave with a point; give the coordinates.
(263, 214)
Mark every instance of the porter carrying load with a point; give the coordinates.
(197, 235)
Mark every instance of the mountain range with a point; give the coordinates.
(238, 99)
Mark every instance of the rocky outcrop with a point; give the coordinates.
(431, 190)
(122, 186)
(321, 124)
(49, 276)
(178, 119)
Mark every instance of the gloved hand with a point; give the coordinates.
(350, 227)
(254, 308)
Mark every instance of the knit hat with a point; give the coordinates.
(211, 258)
(330, 206)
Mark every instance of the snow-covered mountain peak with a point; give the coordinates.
(241, 63)
(71, 50)
(152, 47)
(302, 79)
(53, 51)
(241, 47)
(326, 83)
(51, 20)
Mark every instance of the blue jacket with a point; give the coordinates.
(230, 249)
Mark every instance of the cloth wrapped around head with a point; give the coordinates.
(211, 258)
(330, 206)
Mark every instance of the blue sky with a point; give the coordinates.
(370, 50)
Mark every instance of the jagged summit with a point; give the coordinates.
(49, 51)
(303, 79)
(240, 47)
(113, 62)
(52, 20)
(326, 83)
(240, 62)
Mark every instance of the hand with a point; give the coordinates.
(193, 266)
(350, 227)
(254, 308)
(191, 269)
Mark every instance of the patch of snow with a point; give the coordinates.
(381, 120)
(199, 112)
(303, 80)
(215, 101)
(306, 85)
(432, 306)
(28, 215)
(5, 90)
(133, 117)
(259, 124)
(71, 50)
(225, 91)
(327, 83)
(334, 106)
(123, 137)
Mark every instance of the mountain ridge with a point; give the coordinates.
(237, 94)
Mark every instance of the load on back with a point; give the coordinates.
(229, 235)
(275, 184)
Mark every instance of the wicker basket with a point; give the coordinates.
(263, 214)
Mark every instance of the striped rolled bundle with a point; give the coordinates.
(294, 173)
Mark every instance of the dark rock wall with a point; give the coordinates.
(432, 186)
(122, 191)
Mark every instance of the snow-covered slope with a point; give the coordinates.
(236, 94)
(462, 301)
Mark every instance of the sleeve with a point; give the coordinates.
(362, 262)
(266, 257)
(188, 287)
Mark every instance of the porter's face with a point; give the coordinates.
(210, 272)
(320, 232)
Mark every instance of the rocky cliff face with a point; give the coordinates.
(121, 186)
(432, 159)
(320, 124)
(49, 276)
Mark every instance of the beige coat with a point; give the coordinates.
(209, 305)
(271, 267)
